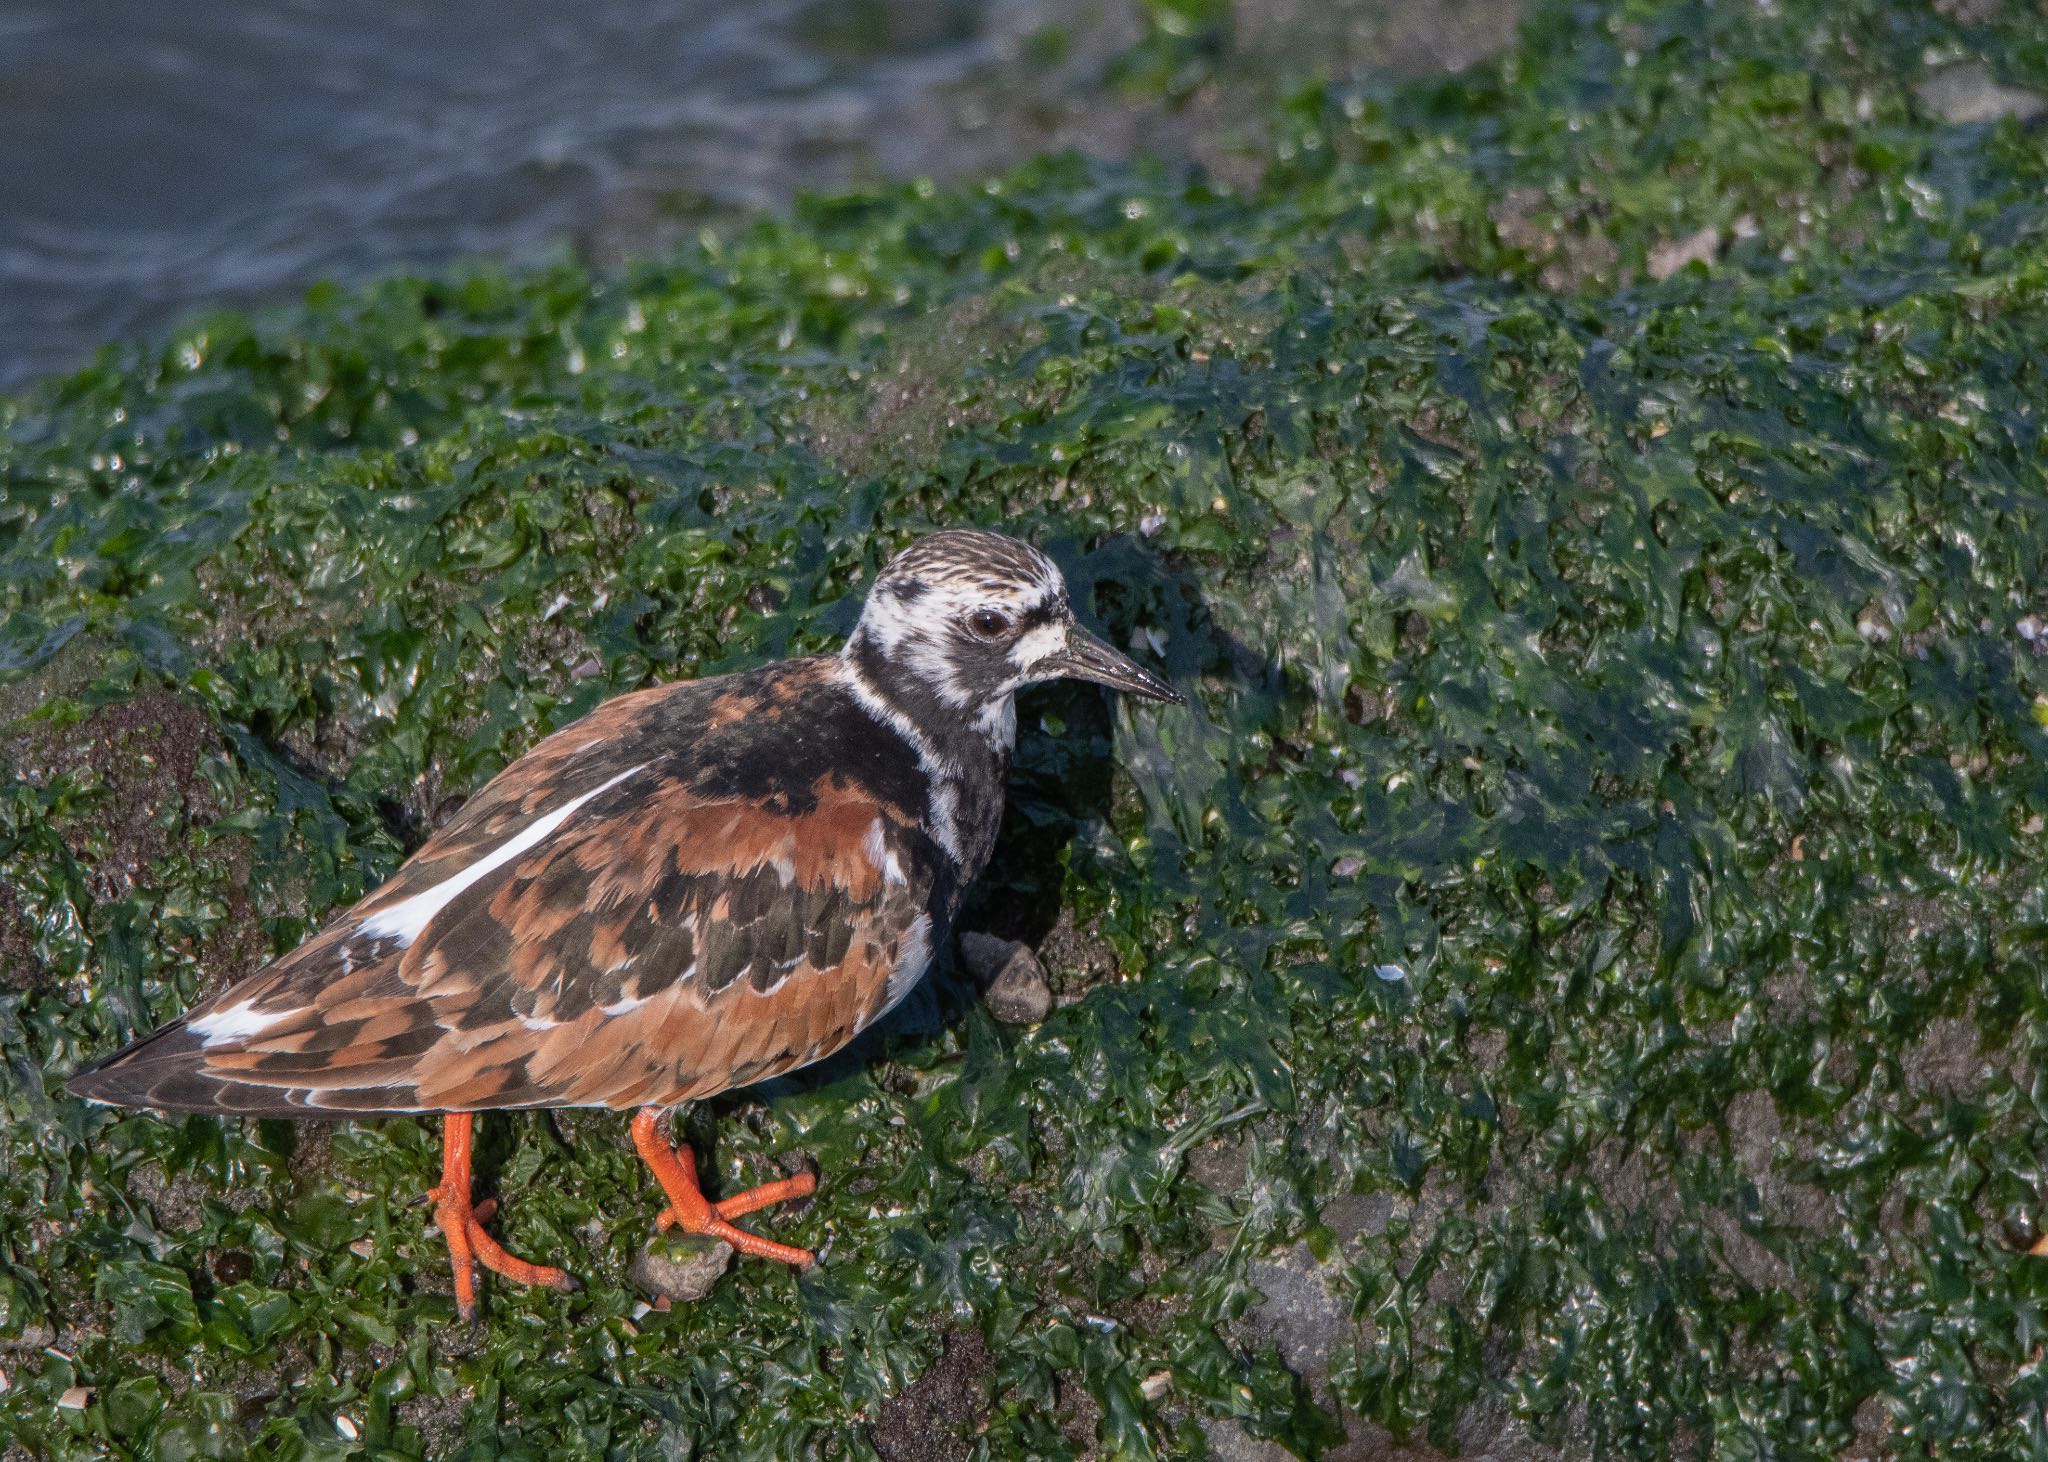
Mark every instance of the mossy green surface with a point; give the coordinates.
(1589, 921)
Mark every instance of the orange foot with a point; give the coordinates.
(462, 1225)
(676, 1170)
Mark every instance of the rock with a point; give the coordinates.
(32, 1337)
(931, 1419)
(1668, 258)
(1083, 960)
(1947, 1061)
(1009, 976)
(681, 1266)
(1562, 240)
(1230, 1442)
(1221, 1164)
(1305, 1312)
(20, 965)
(985, 955)
(1965, 94)
(1353, 1215)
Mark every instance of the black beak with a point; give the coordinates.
(1087, 658)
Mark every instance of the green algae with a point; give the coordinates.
(1589, 918)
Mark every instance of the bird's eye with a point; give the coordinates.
(987, 624)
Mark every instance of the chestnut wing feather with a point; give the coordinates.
(655, 946)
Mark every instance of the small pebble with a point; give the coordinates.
(75, 1398)
(1703, 247)
(347, 1428)
(1010, 978)
(1392, 974)
(1968, 94)
(681, 1267)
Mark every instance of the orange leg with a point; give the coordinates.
(676, 1170)
(462, 1225)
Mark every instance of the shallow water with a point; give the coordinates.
(164, 158)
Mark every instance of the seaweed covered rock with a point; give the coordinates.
(1607, 847)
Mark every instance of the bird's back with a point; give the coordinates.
(694, 887)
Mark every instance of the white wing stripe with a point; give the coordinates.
(235, 1022)
(405, 921)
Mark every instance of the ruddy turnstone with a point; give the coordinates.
(694, 887)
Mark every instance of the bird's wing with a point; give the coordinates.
(585, 934)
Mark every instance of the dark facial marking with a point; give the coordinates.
(1040, 614)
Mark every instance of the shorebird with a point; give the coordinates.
(695, 887)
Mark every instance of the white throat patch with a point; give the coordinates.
(1037, 645)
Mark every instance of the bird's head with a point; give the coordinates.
(971, 617)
